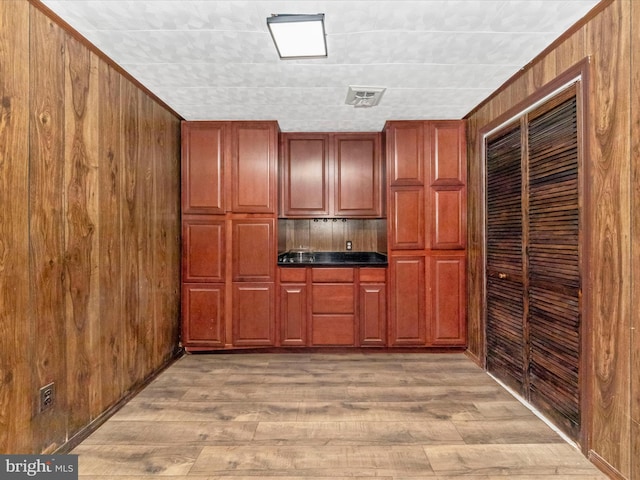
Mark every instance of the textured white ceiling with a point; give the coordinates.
(214, 60)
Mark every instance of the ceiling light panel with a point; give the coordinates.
(298, 36)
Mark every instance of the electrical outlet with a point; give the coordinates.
(47, 396)
(349, 245)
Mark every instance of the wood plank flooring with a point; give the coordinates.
(327, 416)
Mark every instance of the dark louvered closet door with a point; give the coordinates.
(505, 303)
(553, 264)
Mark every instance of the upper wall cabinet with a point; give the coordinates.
(304, 172)
(405, 153)
(203, 154)
(331, 175)
(254, 167)
(219, 155)
(427, 163)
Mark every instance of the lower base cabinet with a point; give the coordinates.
(293, 315)
(408, 320)
(372, 306)
(448, 300)
(203, 315)
(428, 300)
(332, 307)
(253, 314)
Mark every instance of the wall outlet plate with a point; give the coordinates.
(47, 396)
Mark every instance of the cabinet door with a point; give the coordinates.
(293, 314)
(448, 177)
(203, 315)
(203, 249)
(405, 153)
(407, 219)
(407, 297)
(448, 312)
(253, 167)
(203, 152)
(305, 175)
(254, 249)
(448, 218)
(358, 187)
(372, 313)
(253, 314)
(447, 158)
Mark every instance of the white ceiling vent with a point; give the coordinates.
(364, 96)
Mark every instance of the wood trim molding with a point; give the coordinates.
(79, 37)
(580, 71)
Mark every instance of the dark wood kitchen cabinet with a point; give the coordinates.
(408, 315)
(229, 167)
(203, 315)
(358, 175)
(254, 249)
(294, 309)
(447, 299)
(254, 167)
(407, 218)
(325, 306)
(229, 209)
(333, 321)
(203, 167)
(372, 306)
(253, 314)
(203, 252)
(426, 174)
(331, 175)
(304, 172)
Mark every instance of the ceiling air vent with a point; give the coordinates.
(364, 96)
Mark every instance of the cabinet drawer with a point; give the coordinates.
(373, 275)
(293, 275)
(333, 330)
(332, 275)
(332, 298)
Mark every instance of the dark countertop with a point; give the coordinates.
(332, 259)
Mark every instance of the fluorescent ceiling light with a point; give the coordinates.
(298, 36)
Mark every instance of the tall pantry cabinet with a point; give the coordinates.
(229, 234)
(426, 178)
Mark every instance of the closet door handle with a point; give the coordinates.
(502, 275)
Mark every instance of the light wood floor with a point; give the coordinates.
(327, 416)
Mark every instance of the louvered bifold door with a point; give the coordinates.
(552, 239)
(504, 295)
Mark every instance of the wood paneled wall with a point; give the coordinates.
(611, 292)
(89, 232)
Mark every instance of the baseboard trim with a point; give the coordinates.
(605, 467)
(82, 434)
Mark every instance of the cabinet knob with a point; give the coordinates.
(502, 275)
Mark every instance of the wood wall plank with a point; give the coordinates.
(167, 232)
(110, 160)
(134, 335)
(610, 255)
(15, 377)
(635, 239)
(47, 220)
(145, 225)
(475, 245)
(81, 255)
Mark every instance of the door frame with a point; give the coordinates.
(579, 75)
